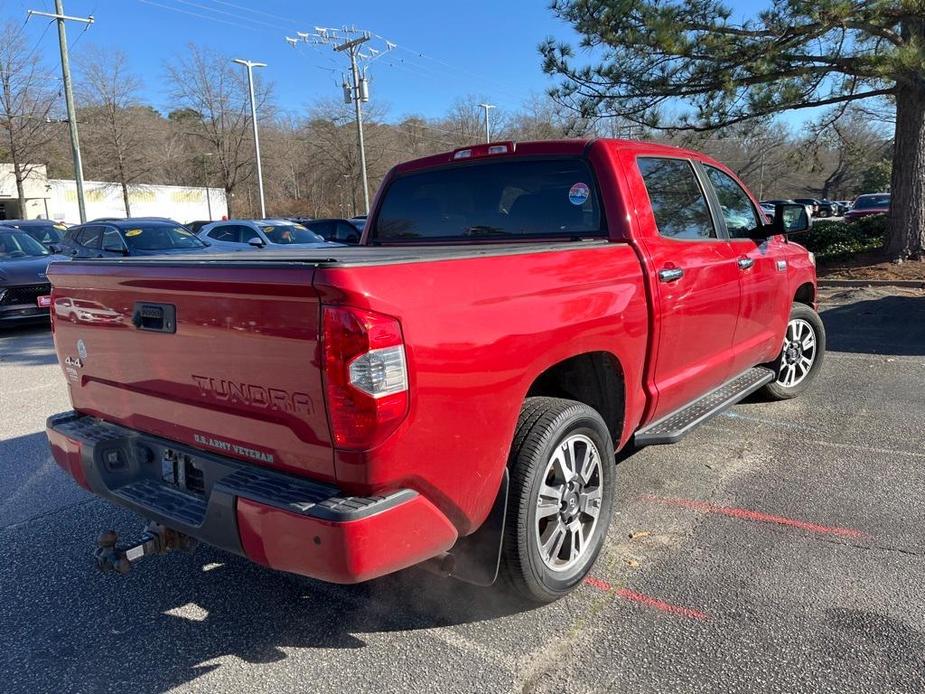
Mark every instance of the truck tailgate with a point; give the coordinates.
(237, 371)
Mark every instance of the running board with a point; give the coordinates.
(670, 428)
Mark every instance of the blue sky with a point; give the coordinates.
(446, 50)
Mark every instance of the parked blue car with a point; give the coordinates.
(46, 231)
(129, 237)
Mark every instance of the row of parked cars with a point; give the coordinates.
(862, 206)
(28, 246)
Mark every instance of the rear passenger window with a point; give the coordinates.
(680, 208)
(224, 233)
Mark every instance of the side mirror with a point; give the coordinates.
(256, 242)
(789, 218)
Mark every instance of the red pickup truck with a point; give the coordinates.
(455, 388)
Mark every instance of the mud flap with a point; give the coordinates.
(476, 558)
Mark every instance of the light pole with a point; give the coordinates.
(487, 125)
(250, 84)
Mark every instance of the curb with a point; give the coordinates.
(906, 284)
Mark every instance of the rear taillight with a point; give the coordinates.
(366, 376)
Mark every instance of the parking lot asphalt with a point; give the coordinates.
(778, 548)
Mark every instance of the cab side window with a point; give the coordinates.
(678, 203)
(740, 215)
(89, 237)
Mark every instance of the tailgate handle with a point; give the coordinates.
(157, 318)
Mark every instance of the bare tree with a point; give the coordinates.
(120, 131)
(214, 94)
(25, 106)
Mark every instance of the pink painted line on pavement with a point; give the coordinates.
(757, 516)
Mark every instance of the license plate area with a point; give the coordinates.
(181, 470)
(125, 461)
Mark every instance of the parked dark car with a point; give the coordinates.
(339, 230)
(196, 226)
(129, 237)
(46, 231)
(868, 206)
(137, 219)
(816, 207)
(25, 293)
(827, 208)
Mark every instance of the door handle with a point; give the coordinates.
(672, 274)
(746, 263)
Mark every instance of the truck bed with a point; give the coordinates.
(350, 256)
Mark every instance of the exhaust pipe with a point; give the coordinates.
(156, 539)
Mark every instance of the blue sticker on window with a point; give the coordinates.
(578, 193)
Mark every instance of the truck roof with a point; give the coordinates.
(573, 147)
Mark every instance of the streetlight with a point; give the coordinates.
(487, 125)
(250, 84)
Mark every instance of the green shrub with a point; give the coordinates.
(838, 240)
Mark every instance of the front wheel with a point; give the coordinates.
(801, 355)
(562, 474)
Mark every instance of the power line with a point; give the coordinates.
(255, 11)
(195, 14)
(229, 14)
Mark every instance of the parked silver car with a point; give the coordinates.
(238, 234)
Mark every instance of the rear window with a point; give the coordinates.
(529, 198)
(160, 237)
(43, 233)
(870, 201)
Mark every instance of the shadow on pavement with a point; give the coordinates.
(27, 345)
(31, 483)
(164, 624)
(889, 325)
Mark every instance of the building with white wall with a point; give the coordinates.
(53, 198)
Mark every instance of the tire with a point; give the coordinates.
(551, 432)
(790, 378)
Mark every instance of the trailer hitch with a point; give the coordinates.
(156, 539)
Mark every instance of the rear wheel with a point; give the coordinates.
(801, 355)
(562, 475)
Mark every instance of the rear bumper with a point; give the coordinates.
(281, 521)
(22, 312)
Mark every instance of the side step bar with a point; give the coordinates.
(671, 427)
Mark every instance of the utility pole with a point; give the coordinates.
(487, 125)
(761, 181)
(250, 84)
(69, 96)
(205, 179)
(358, 94)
